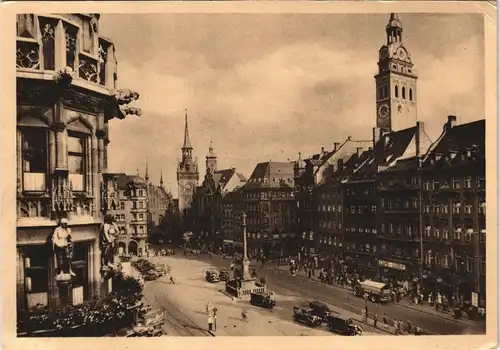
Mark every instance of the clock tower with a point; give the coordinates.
(187, 173)
(396, 82)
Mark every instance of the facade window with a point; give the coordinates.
(76, 162)
(444, 208)
(374, 209)
(456, 184)
(403, 92)
(469, 264)
(435, 185)
(71, 34)
(427, 185)
(36, 277)
(428, 231)
(396, 91)
(468, 234)
(47, 31)
(468, 182)
(411, 94)
(122, 205)
(34, 159)
(482, 208)
(25, 26)
(456, 208)
(445, 261)
(481, 182)
(134, 205)
(427, 208)
(457, 235)
(445, 234)
(409, 230)
(468, 209)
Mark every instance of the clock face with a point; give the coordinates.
(401, 54)
(188, 187)
(383, 111)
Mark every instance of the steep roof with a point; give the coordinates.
(125, 180)
(272, 174)
(463, 136)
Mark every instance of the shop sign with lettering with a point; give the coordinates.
(392, 265)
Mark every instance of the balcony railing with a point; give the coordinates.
(52, 42)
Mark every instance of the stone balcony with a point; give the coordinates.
(47, 44)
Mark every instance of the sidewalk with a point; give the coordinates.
(403, 303)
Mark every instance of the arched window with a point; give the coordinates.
(396, 92)
(403, 92)
(411, 95)
(380, 93)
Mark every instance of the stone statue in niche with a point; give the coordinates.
(107, 236)
(63, 249)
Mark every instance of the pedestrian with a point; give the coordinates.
(410, 326)
(172, 280)
(210, 322)
(375, 319)
(384, 319)
(396, 327)
(214, 310)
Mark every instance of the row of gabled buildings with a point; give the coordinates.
(404, 208)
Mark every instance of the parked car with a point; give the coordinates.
(306, 316)
(343, 325)
(320, 309)
(263, 300)
(212, 276)
(224, 275)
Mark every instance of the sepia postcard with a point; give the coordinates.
(304, 174)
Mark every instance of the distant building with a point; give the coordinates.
(208, 202)
(268, 200)
(159, 201)
(187, 175)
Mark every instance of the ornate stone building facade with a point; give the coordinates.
(66, 95)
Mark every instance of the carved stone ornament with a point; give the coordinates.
(64, 76)
(82, 102)
(87, 68)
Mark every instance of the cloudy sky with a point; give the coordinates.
(267, 86)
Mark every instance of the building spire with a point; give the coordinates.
(394, 30)
(187, 142)
(161, 177)
(146, 177)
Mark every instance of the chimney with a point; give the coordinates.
(349, 138)
(418, 141)
(359, 150)
(322, 150)
(452, 121)
(336, 146)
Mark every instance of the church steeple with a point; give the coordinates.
(211, 160)
(396, 82)
(161, 178)
(146, 176)
(187, 142)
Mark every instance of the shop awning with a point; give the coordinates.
(228, 241)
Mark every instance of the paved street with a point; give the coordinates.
(283, 283)
(185, 304)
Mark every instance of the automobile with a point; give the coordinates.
(320, 309)
(306, 316)
(263, 300)
(373, 291)
(343, 325)
(224, 275)
(212, 276)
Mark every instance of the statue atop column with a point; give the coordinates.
(246, 262)
(63, 249)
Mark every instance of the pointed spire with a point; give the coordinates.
(187, 142)
(146, 177)
(161, 178)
